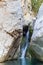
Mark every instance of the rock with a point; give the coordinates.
(13, 15)
(37, 37)
(27, 11)
(9, 45)
(11, 23)
(40, 13)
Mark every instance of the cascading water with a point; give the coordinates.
(25, 45)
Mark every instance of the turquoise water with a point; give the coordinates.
(22, 62)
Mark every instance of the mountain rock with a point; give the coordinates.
(11, 19)
(37, 37)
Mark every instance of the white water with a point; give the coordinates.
(25, 48)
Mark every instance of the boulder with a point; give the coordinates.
(36, 44)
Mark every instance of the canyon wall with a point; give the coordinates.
(13, 15)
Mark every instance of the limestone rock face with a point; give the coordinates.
(37, 37)
(11, 19)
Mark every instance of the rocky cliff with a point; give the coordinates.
(27, 11)
(37, 37)
(13, 15)
(11, 18)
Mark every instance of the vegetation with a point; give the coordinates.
(36, 4)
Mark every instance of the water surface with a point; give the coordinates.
(22, 62)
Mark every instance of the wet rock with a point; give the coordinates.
(37, 37)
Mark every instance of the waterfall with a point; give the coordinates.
(25, 46)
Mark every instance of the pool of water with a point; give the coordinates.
(22, 62)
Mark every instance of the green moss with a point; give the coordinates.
(36, 4)
(30, 30)
(23, 41)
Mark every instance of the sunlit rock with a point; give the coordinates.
(11, 23)
(11, 14)
(27, 11)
